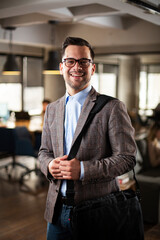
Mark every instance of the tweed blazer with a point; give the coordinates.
(107, 149)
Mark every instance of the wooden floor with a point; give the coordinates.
(153, 233)
(22, 207)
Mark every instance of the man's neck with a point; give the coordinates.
(72, 91)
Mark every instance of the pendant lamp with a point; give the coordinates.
(52, 64)
(10, 66)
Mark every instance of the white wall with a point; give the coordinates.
(136, 33)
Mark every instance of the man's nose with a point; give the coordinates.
(77, 66)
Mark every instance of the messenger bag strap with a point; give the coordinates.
(99, 104)
(101, 101)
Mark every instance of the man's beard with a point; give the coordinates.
(81, 83)
(77, 86)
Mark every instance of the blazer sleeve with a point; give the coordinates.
(46, 154)
(122, 147)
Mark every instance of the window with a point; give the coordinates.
(108, 84)
(149, 95)
(33, 85)
(105, 79)
(10, 93)
(23, 93)
(10, 88)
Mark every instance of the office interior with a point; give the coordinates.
(125, 36)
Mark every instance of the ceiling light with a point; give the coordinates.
(11, 66)
(52, 64)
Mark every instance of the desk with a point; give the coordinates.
(32, 125)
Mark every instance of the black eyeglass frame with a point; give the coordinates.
(78, 60)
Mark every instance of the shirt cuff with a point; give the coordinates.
(82, 170)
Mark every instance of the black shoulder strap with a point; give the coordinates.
(99, 104)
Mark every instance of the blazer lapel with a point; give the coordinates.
(88, 105)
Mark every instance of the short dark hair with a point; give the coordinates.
(46, 101)
(77, 41)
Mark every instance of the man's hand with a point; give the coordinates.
(61, 168)
(70, 169)
(54, 169)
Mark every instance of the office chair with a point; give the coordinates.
(7, 149)
(24, 147)
(37, 140)
(22, 116)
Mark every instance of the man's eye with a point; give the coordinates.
(84, 61)
(70, 61)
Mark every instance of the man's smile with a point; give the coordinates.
(77, 74)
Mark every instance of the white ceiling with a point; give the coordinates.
(104, 13)
(105, 22)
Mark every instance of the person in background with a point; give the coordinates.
(157, 113)
(154, 144)
(106, 151)
(45, 102)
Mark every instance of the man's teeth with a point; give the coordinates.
(77, 75)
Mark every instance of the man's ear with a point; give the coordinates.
(61, 68)
(93, 69)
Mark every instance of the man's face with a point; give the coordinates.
(77, 77)
(44, 106)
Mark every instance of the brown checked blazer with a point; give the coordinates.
(107, 149)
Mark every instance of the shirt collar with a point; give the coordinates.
(80, 96)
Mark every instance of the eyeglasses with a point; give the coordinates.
(83, 62)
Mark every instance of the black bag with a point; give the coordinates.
(115, 216)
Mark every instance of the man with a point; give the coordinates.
(45, 102)
(107, 149)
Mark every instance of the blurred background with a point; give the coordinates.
(125, 35)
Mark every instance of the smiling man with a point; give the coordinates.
(107, 149)
(77, 73)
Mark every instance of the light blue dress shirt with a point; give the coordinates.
(73, 109)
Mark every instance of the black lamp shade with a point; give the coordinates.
(11, 66)
(52, 65)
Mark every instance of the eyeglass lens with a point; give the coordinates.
(70, 62)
